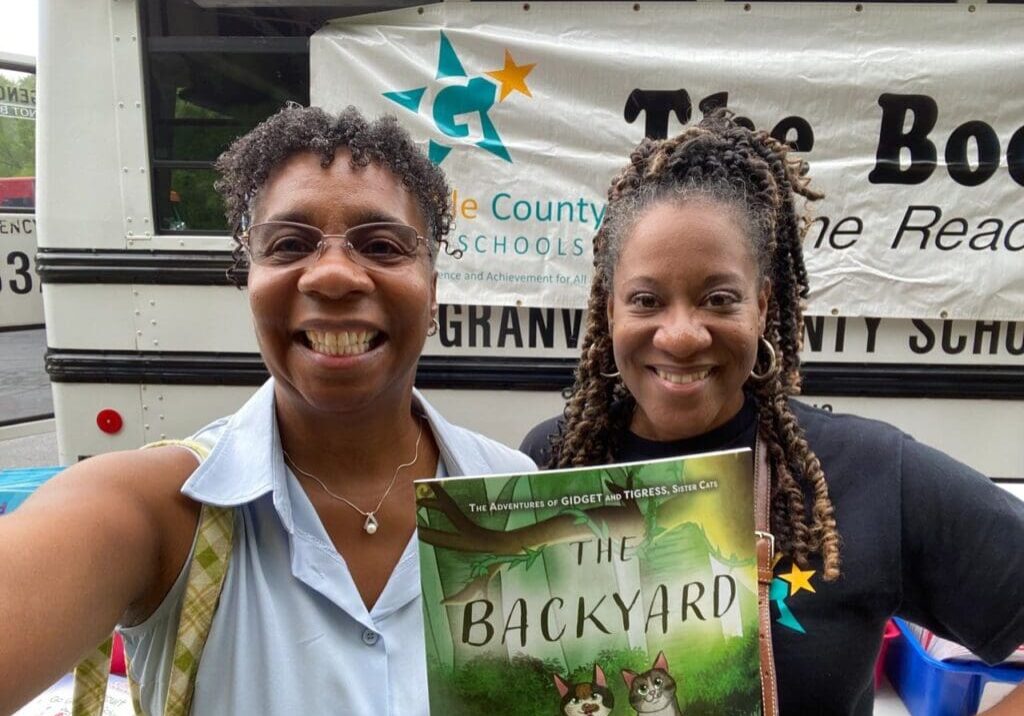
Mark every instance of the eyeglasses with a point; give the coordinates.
(288, 243)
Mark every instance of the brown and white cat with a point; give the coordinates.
(653, 693)
(593, 699)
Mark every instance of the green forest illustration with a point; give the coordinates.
(528, 577)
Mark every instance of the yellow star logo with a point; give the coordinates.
(512, 77)
(798, 579)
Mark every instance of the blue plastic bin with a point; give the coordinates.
(930, 687)
(17, 484)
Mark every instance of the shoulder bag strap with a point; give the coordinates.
(91, 676)
(202, 593)
(93, 671)
(765, 556)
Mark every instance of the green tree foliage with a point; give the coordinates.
(17, 136)
(520, 687)
(722, 681)
(716, 680)
(199, 205)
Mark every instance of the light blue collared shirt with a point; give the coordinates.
(291, 634)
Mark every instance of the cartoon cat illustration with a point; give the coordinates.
(653, 693)
(593, 699)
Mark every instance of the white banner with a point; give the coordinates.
(911, 118)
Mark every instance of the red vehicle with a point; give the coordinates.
(17, 192)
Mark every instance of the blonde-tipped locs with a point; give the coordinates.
(752, 175)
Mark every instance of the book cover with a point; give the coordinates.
(610, 591)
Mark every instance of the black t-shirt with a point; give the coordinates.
(924, 537)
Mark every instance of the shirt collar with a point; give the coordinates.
(246, 462)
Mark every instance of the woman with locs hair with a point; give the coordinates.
(268, 564)
(692, 345)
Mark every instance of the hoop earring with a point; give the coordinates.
(614, 374)
(434, 326)
(773, 364)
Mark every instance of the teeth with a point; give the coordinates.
(682, 377)
(343, 343)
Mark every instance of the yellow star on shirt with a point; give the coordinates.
(512, 77)
(798, 579)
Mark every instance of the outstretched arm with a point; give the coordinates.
(1011, 705)
(101, 541)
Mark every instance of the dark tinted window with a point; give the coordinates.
(214, 70)
(211, 75)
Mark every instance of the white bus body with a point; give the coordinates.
(141, 320)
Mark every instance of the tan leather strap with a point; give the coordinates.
(765, 556)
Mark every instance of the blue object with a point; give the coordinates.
(930, 687)
(17, 484)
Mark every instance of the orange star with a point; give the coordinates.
(798, 579)
(512, 77)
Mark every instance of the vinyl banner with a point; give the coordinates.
(910, 117)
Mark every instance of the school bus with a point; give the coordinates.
(147, 339)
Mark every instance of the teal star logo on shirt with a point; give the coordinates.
(778, 593)
(785, 586)
(456, 102)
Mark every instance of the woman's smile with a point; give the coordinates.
(341, 343)
(676, 377)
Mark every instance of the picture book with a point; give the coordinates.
(608, 591)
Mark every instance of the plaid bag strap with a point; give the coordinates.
(202, 593)
(91, 675)
(93, 671)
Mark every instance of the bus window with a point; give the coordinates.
(213, 72)
(211, 75)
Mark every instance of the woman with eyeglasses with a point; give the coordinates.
(268, 565)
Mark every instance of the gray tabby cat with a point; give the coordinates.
(653, 693)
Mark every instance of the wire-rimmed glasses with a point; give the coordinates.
(288, 243)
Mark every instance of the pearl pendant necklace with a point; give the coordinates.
(371, 524)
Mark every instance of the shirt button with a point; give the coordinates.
(370, 637)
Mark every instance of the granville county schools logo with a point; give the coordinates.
(456, 95)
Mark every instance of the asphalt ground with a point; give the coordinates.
(25, 399)
(24, 385)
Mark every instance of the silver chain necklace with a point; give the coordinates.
(371, 524)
